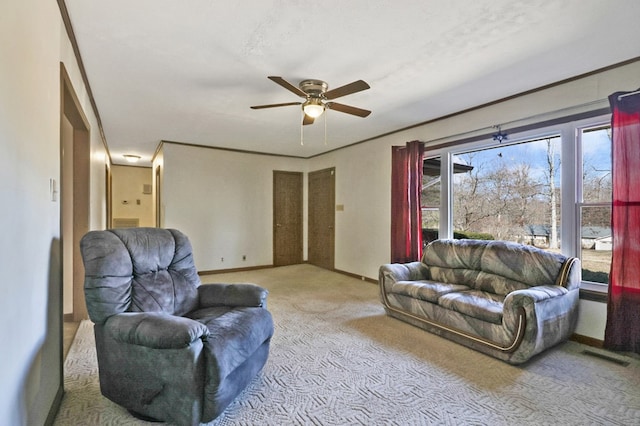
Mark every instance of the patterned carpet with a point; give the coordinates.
(336, 359)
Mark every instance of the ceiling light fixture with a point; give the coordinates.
(313, 107)
(131, 158)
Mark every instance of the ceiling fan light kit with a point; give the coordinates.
(313, 108)
(316, 96)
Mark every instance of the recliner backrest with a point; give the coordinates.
(138, 270)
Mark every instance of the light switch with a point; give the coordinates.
(53, 189)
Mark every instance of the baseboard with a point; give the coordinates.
(586, 340)
(359, 277)
(55, 407)
(224, 271)
(253, 268)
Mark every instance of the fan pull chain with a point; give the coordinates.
(302, 130)
(326, 112)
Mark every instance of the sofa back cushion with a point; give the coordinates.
(498, 267)
(138, 270)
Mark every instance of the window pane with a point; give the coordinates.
(430, 199)
(596, 243)
(596, 165)
(511, 192)
(595, 210)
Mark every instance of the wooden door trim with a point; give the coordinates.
(71, 109)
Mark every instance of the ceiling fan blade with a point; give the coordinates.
(348, 109)
(284, 83)
(275, 105)
(307, 120)
(347, 89)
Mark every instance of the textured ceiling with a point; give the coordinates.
(188, 71)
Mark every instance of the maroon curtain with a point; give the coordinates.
(406, 212)
(623, 309)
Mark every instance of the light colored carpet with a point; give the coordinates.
(337, 359)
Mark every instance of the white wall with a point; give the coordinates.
(363, 171)
(363, 186)
(34, 43)
(208, 201)
(592, 319)
(222, 200)
(127, 191)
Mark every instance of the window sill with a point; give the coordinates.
(594, 292)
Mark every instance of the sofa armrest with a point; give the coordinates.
(391, 273)
(250, 295)
(412, 271)
(534, 294)
(550, 315)
(528, 300)
(155, 330)
(571, 274)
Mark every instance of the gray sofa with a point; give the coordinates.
(168, 348)
(507, 300)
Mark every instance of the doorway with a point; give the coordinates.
(157, 192)
(74, 198)
(322, 198)
(287, 218)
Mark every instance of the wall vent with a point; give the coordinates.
(606, 357)
(119, 223)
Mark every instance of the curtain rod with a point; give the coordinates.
(629, 94)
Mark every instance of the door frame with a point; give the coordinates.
(80, 174)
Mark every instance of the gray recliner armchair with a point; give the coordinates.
(169, 348)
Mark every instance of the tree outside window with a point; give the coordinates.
(512, 193)
(515, 190)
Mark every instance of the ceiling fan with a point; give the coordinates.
(318, 98)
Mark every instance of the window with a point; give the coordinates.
(511, 192)
(548, 187)
(430, 199)
(594, 203)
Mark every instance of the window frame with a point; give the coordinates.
(571, 181)
(588, 289)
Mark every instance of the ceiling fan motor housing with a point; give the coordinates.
(318, 97)
(313, 88)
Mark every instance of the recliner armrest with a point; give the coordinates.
(250, 295)
(155, 329)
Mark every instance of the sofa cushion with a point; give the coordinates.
(464, 276)
(475, 303)
(453, 261)
(425, 290)
(530, 265)
(492, 283)
(457, 254)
